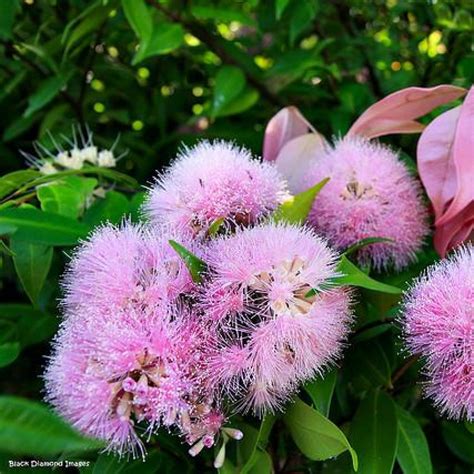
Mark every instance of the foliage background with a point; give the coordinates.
(163, 73)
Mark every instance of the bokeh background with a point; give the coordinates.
(158, 74)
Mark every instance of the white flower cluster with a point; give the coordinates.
(82, 151)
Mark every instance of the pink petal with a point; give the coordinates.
(295, 156)
(402, 108)
(287, 124)
(463, 157)
(435, 161)
(455, 231)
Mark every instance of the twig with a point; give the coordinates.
(401, 370)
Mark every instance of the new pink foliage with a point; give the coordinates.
(439, 324)
(212, 181)
(129, 351)
(370, 194)
(446, 166)
(273, 335)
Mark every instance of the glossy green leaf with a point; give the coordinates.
(302, 15)
(32, 263)
(194, 264)
(296, 210)
(30, 428)
(254, 443)
(321, 391)
(136, 204)
(9, 351)
(89, 25)
(112, 208)
(374, 433)
(222, 14)
(41, 227)
(33, 325)
(9, 9)
(67, 197)
(246, 99)
(364, 242)
(413, 453)
(230, 82)
(166, 37)
(45, 93)
(138, 15)
(367, 366)
(317, 437)
(11, 181)
(280, 6)
(459, 440)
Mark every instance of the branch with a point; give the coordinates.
(213, 43)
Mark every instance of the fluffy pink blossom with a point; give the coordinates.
(213, 181)
(438, 323)
(128, 263)
(370, 194)
(116, 375)
(130, 356)
(272, 334)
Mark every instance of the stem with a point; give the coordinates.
(402, 369)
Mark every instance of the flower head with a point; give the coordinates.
(273, 333)
(214, 181)
(370, 194)
(438, 323)
(118, 265)
(114, 377)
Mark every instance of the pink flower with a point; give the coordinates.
(122, 264)
(370, 194)
(212, 181)
(439, 324)
(446, 166)
(273, 335)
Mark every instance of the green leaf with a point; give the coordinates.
(34, 326)
(302, 16)
(136, 204)
(469, 426)
(374, 433)
(215, 227)
(195, 265)
(413, 453)
(11, 181)
(459, 440)
(321, 390)
(139, 17)
(41, 227)
(19, 126)
(296, 210)
(166, 37)
(367, 366)
(112, 208)
(244, 101)
(89, 24)
(9, 351)
(364, 242)
(108, 463)
(353, 276)
(7, 18)
(371, 332)
(230, 82)
(32, 263)
(280, 6)
(253, 444)
(67, 197)
(317, 437)
(45, 93)
(30, 428)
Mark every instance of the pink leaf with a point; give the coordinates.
(401, 109)
(287, 124)
(455, 231)
(463, 157)
(295, 157)
(435, 161)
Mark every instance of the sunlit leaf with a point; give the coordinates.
(195, 265)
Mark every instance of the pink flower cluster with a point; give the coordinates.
(439, 325)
